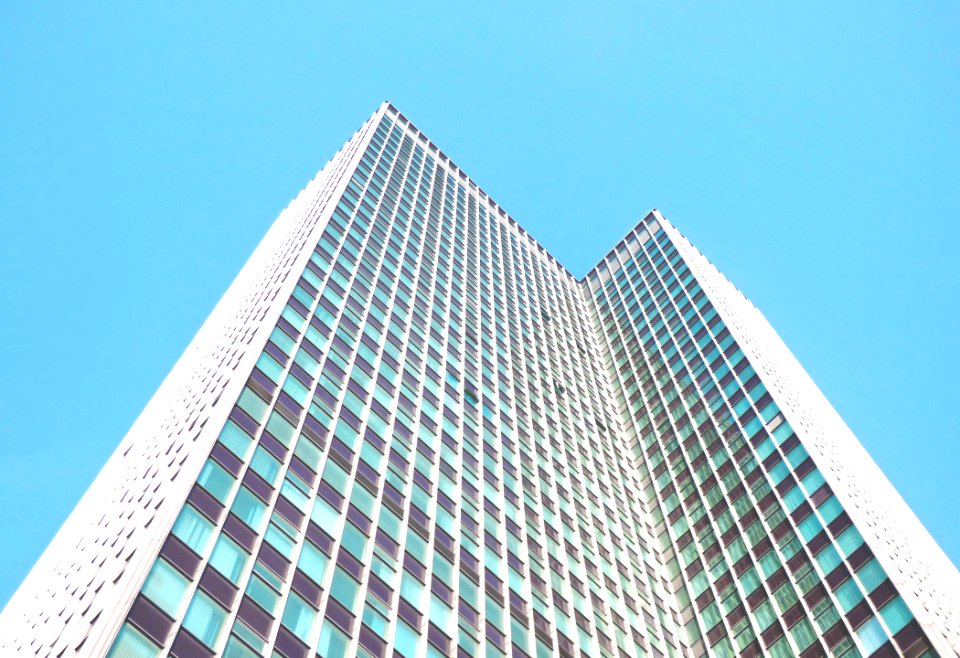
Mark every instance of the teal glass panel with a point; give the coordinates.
(205, 619)
(896, 614)
(344, 588)
(281, 429)
(849, 595)
(270, 367)
(313, 562)
(265, 465)
(253, 404)
(298, 616)
(333, 643)
(872, 635)
(236, 649)
(229, 559)
(262, 593)
(166, 587)
(130, 643)
(250, 509)
(849, 541)
(871, 575)
(406, 639)
(828, 559)
(215, 479)
(193, 529)
(237, 441)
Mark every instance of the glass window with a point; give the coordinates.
(871, 575)
(270, 367)
(132, 644)
(166, 587)
(333, 643)
(236, 440)
(262, 593)
(253, 404)
(193, 529)
(228, 558)
(281, 429)
(849, 541)
(406, 640)
(849, 595)
(828, 559)
(298, 616)
(896, 615)
(236, 649)
(344, 588)
(205, 619)
(265, 465)
(872, 635)
(215, 479)
(313, 562)
(249, 508)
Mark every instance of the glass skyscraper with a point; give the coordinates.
(406, 430)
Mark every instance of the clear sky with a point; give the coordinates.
(810, 150)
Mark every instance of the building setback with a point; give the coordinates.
(406, 430)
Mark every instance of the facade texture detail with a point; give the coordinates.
(407, 430)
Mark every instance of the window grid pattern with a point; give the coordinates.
(760, 547)
(457, 445)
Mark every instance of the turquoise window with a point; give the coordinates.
(406, 639)
(896, 614)
(765, 449)
(262, 593)
(793, 498)
(872, 635)
(270, 367)
(849, 541)
(265, 465)
(812, 481)
(334, 644)
(828, 559)
(324, 515)
(279, 427)
(810, 527)
(344, 588)
(253, 404)
(215, 479)
(193, 529)
(354, 540)
(849, 595)
(779, 472)
(236, 649)
(313, 562)
(205, 619)
(249, 508)
(236, 440)
(830, 509)
(130, 643)
(166, 587)
(308, 451)
(228, 558)
(871, 575)
(296, 390)
(298, 616)
(277, 538)
(282, 340)
(295, 495)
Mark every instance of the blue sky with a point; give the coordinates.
(810, 150)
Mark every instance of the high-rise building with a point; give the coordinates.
(407, 430)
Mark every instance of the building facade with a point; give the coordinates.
(406, 430)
